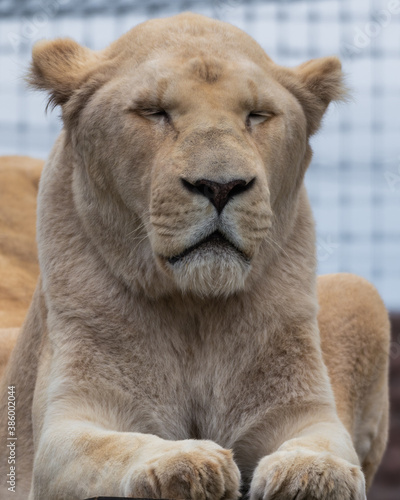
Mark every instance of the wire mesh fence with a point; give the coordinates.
(354, 179)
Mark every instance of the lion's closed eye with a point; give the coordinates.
(155, 114)
(257, 117)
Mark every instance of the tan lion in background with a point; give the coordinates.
(19, 179)
(172, 348)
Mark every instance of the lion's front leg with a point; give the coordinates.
(77, 460)
(319, 463)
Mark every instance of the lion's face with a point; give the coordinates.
(195, 157)
(206, 152)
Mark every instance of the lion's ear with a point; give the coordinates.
(322, 82)
(60, 66)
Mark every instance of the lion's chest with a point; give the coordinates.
(224, 391)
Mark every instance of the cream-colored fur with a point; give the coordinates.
(145, 370)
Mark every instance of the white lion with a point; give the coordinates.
(172, 348)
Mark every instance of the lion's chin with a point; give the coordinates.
(211, 274)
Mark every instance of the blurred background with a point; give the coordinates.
(354, 179)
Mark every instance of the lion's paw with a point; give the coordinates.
(191, 469)
(306, 475)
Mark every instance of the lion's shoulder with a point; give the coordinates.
(354, 326)
(356, 300)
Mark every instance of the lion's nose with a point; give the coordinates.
(219, 194)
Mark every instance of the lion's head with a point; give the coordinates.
(189, 148)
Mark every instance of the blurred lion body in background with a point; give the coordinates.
(19, 179)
